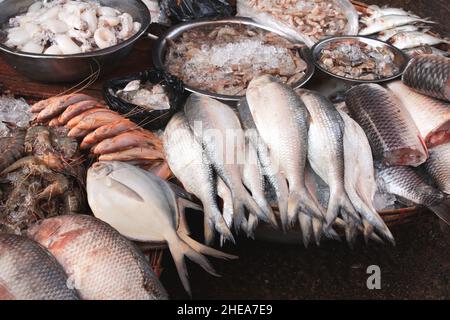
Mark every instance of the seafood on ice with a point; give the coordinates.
(68, 27)
(148, 96)
(143, 207)
(225, 58)
(108, 135)
(99, 262)
(354, 59)
(29, 272)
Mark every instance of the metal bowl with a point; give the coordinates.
(161, 46)
(400, 59)
(74, 67)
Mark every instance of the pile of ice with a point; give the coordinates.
(15, 111)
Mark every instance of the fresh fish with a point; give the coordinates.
(101, 264)
(412, 39)
(29, 272)
(143, 207)
(389, 22)
(385, 35)
(429, 75)
(392, 134)
(282, 121)
(326, 152)
(414, 52)
(218, 129)
(377, 12)
(432, 116)
(404, 182)
(268, 166)
(438, 166)
(360, 181)
(186, 159)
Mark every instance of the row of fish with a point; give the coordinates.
(73, 257)
(402, 29)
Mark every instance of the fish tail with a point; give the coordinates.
(282, 192)
(306, 227)
(442, 210)
(201, 248)
(243, 200)
(368, 229)
(239, 219)
(267, 209)
(317, 226)
(302, 201)
(208, 230)
(214, 220)
(251, 226)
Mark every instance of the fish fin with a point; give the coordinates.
(283, 200)
(442, 211)
(339, 201)
(208, 230)
(253, 207)
(251, 226)
(317, 226)
(367, 230)
(214, 220)
(188, 204)
(373, 236)
(306, 227)
(302, 201)
(183, 226)
(125, 190)
(200, 248)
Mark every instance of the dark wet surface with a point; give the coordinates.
(418, 267)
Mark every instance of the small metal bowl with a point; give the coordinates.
(74, 67)
(163, 42)
(400, 59)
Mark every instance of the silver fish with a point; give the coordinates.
(326, 152)
(429, 75)
(360, 181)
(101, 264)
(411, 39)
(389, 22)
(143, 207)
(29, 272)
(404, 182)
(227, 209)
(285, 132)
(376, 12)
(217, 128)
(268, 166)
(438, 166)
(431, 116)
(188, 163)
(392, 133)
(385, 35)
(414, 52)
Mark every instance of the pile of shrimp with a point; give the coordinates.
(107, 134)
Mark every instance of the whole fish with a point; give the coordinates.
(100, 263)
(29, 272)
(188, 163)
(404, 182)
(389, 22)
(414, 52)
(385, 35)
(360, 181)
(438, 166)
(429, 75)
(143, 207)
(431, 116)
(326, 151)
(376, 12)
(392, 134)
(217, 128)
(412, 39)
(268, 165)
(282, 121)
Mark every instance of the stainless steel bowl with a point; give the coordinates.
(400, 59)
(74, 67)
(161, 46)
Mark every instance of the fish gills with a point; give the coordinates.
(392, 133)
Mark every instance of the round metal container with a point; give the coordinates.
(400, 59)
(74, 67)
(161, 46)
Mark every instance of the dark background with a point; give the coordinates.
(418, 267)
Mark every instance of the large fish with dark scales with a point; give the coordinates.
(430, 75)
(406, 183)
(391, 131)
(100, 263)
(29, 272)
(438, 166)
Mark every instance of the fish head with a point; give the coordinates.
(100, 170)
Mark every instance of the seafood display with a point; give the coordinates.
(148, 96)
(225, 58)
(143, 207)
(354, 59)
(391, 131)
(117, 270)
(429, 75)
(438, 166)
(307, 21)
(63, 27)
(29, 272)
(108, 135)
(41, 177)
